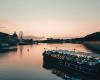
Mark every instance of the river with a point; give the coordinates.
(27, 64)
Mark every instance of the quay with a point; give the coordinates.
(71, 60)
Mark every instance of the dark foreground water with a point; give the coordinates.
(26, 63)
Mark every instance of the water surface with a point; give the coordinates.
(27, 64)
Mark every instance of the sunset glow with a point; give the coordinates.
(50, 18)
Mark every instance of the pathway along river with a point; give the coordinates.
(27, 63)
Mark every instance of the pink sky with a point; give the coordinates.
(50, 18)
(51, 28)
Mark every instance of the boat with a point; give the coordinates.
(72, 60)
(4, 47)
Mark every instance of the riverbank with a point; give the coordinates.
(93, 45)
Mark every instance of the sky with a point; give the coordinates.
(50, 18)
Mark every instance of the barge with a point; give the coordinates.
(71, 60)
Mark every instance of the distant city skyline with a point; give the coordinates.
(50, 18)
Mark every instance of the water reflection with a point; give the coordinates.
(21, 50)
(7, 53)
(67, 75)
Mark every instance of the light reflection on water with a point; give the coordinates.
(26, 63)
